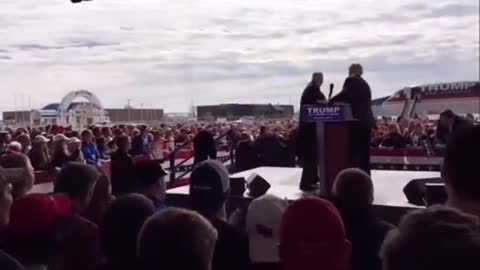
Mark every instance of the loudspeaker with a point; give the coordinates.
(238, 185)
(435, 194)
(416, 190)
(257, 185)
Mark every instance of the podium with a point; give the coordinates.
(333, 123)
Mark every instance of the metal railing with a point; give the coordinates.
(175, 168)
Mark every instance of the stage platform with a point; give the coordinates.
(389, 203)
(388, 185)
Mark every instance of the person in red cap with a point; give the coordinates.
(32, 230)
(312, 237)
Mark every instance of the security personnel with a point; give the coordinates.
(307, 135)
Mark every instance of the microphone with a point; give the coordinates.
(78, 1)
(331, 91)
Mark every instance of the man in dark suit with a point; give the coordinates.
(121, 167)
(245, 156)
(204, 146)
(448, 123)
(356, 92)
(307, 134)
(268, 148)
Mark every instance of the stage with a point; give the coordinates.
(390, 202)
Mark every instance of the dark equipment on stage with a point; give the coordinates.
(416, 190)
(257, 185)
(436, 194)
(238, 185)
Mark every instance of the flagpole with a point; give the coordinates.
(15, 108)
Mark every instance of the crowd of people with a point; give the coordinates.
(119, 217)
(91, 222)
(402, 132)
(275, 142)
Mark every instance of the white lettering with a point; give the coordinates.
(323, 110)
(433, 87)
(458, 86)
(445, 87)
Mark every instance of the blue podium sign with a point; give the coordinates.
(324, 113)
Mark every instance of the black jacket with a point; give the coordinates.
(59, 160)
(357, 93)
(443, 132)
(138, 145)
(122, 176)
(311, 95)
(366, 233)
(460, 123)
(9, 263)
(232, 248)
(270, 151)
(245, 156)
(306, 139)
(204, 146)
(394, 140)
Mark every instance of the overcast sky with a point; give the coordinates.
(168, 54)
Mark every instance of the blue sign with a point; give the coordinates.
(323, 113)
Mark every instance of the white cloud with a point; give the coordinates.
(167, 53)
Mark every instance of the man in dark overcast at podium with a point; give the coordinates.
(307, 134)
(356, 92)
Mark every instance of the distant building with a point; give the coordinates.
(131, 115)
(16, 117)
(77, 114)
(232, 112)
(80, 114)
(179, 117)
